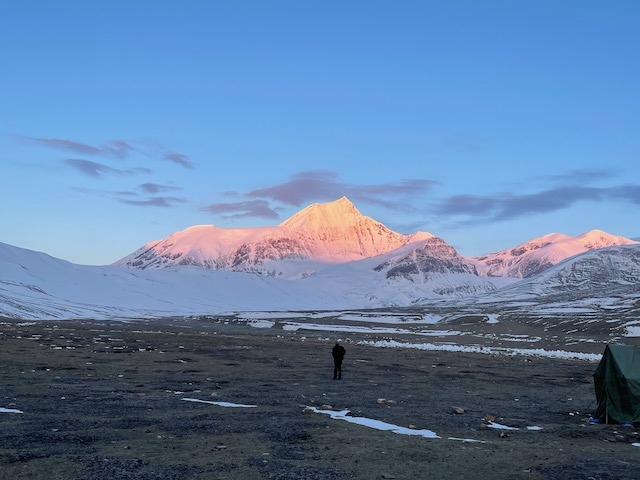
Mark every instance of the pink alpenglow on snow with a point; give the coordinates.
(535, 256)
(322, 233)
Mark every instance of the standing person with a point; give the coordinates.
(338, 354)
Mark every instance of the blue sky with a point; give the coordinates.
(487, 123)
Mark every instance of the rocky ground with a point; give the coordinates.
(105, 400)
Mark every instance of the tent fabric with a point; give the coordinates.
(617, 384)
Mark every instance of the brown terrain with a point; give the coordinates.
(105, 400)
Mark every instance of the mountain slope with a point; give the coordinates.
(433, 256)
(602, 282)
(325, 234)
(611, 271)
(537, 255)
(409, 275)
(319, 235)
(34, 285)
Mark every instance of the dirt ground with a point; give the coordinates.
(104, 400)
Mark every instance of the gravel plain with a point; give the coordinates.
(105, 400)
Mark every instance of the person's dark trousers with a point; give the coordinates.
(337, 370)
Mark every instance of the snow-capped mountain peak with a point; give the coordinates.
(320, 234)
(322, 215)
(537, 255)
(598, 239)
(324, 234)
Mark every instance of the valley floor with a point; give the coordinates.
(106, 399)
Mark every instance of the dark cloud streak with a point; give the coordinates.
(179, 158)
(112, 148)
(98, 170)
(252, 208)
(164, 202)
(507, 206)
(316, 185)
(154, 188)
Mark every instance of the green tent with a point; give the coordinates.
(617, 384)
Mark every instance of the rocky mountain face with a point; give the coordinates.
(333, 233)
(340, 259)
(537, 255)
(433, 256)
(601, 269)
(612, 272)
(321, 234)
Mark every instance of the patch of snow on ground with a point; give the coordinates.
(9, 410)
(220, 404)
(261, 323)
(520, 338)
(267, 315)
(466, 440)
(562, 309)
(324, 315)
(493, 318)
(377, 424)
(535, 352)
(499, 426)
(386, 318)
(632, 329)
(290, 326)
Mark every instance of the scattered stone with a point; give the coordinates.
(326, 407)
(458, 410)
(489, 418)
(384, 401)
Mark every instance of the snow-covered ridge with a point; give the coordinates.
(613, 269)
(319, 235)
(326, 257)
(596, 286)
(537, 255)
(325, 234)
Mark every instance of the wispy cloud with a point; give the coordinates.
(579, 177)
(120, 149)
(317, 186)
(150, 198)
(155, 149)
(164, 202)
(503, 206)
(112, 148)
(630, 193)
(154, 188)
(137, 197)
(179, 158)
(97, 170)
(251, 208)
(506, 206)
(322, 185)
